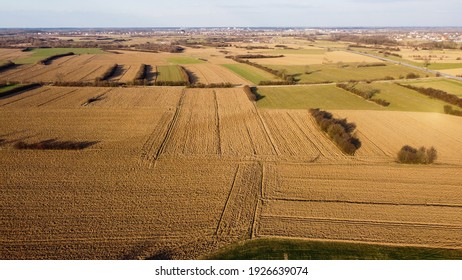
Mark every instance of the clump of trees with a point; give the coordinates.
(49, 59)
(339, 130)
(412, 76)
(438, 94)
(450, 111)
(408, 154)
(366, 94)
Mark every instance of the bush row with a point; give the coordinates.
(108, 73)
(53, 144)
(7, 65)
(212, 85)
(49, 59)
(408, 154)
(288, 79)
(339, 130)
(368, 95)
(438, 94)
(256, 56)
(378, 64)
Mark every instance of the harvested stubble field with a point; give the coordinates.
(86, 67)
(207, 73)
(178, 173)
(384, 133)
(389, 204)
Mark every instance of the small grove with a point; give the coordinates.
(411, 155)
(339, 130)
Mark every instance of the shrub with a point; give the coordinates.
(408, 154)
(412, 76)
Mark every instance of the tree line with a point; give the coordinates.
(339, 130)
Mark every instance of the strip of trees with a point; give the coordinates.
(438, 94)
(107, 74)
(19, 89)
(49, 59)
(339, 130)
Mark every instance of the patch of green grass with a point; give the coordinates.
(278, 249)
(327, 97)
(39, 54)
(170, 73)
(184, 60)
(404, 99)
(444, 66)
(251, 73)
(342, 72)
(8, 87)
(449, 86)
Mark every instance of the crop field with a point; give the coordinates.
(305, 97)
(386, 132)
(208, 73)
(363, 203)
(173, 172)
(251, 73)
(38, 54)
(315, 56)
(404, 99)
(447, 85)
(185, 60)
(341, 72)
(171, 73)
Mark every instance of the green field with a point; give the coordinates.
(450, 86)
(404, 99)
(8, 87)
(184, 60)
(443, 66)
(292, 249)
(39, 54)
(170, 73)
(320, 73)
(319, 96)
(251, 73)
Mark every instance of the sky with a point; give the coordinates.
(232, 13)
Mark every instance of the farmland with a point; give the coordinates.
(250, 73)
(175, 165)
(450, 86)
(340, 72)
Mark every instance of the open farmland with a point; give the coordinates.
(313, 56)
(386, 132)
(404, 99)
(171, 73)
(127, 170)
(251, 73)
(342, 72)
(305, 97)
(33, 56)
(208, 73)
(363, 203)
(447, 85)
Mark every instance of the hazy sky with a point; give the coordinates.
(182, 13)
